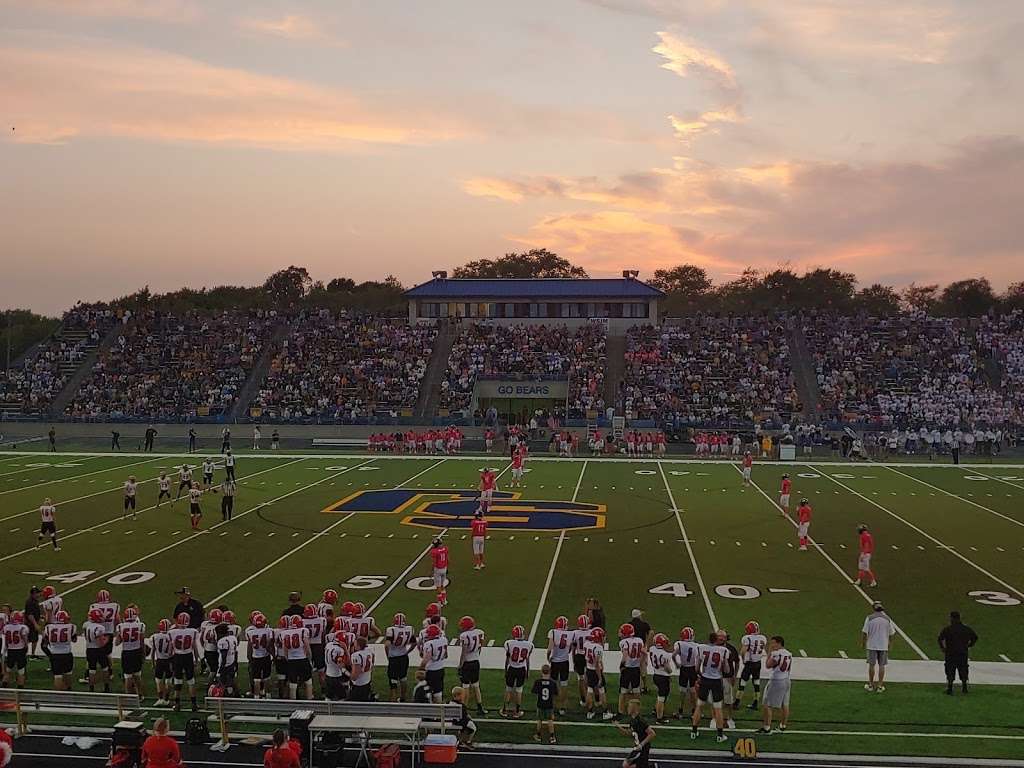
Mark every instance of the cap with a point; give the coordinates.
(294, 597)
(184, 591)
(877, 605)
(637, 613)
(33, 588)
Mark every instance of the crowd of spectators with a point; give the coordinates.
(34, 384)
(339, 368)
(709, 370)
(529, 352)
(907, 371)
(1001, 340)
(174, 367)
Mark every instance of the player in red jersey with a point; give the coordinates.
(517, 468)
(748, 465)
(488, 484)
(787, 486)
(867, 548)
(803, 516)
(479, 530)
(439, 556)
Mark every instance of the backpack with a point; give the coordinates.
(196, 731)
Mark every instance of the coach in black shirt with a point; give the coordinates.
(294, 605)
(33, 618)
(191, 606)
(956, 641)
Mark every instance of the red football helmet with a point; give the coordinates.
(131, 613)
(433, 609)
(433, 631)
(399, 620)
(626, 630)
(282, 623)
(48, 592)
(252, 616)
(182, 619)
(228, 617)
(661, 640)
(164, 625)
(309, 611)
(259, 621)
(296, 622)
(597, 635)
(330, 596)
(358, 610)
(561, 623)
(518, 632)
(686, 634)
(752, 627)
(61, 617)
(103, 596)
(216, 615)
(95, 616)
(347, 608)
(467, 623)
(583, 621)
(340, 638)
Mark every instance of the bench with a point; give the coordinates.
(23, 701)
(339, 442)
(273, 711)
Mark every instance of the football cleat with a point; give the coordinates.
(48, 592)
(228, 617)
(216, 615)
(330, 596)
(131, 614)
(61, 617)
(661, 640)
(296, 622)
(583, 621)
(182, 619)
(259, 621)
(562, 623)
(753, 627)
(597, 635)
(518, 632)
(626, 630)
(282, 623)
(358, 610)
(467, 623)
(433, 609)
(433, 631)
(164, 626)
(309, 611)
(103, 596)
(347, 608)
(686, 634)
(399, 620)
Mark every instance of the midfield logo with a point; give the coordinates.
(508, 512)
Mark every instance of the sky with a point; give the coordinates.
(178, 142)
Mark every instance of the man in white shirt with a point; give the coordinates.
(776, 695)
(875, 636)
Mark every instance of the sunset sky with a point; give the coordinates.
(179, 142)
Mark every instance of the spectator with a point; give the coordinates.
(191, 606)
(160, 750)
(956, 641)
(875, 637)
(281, 754)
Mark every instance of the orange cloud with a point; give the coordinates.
(686, 130)
(290, 27)
(685, 58)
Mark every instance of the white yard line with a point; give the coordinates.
(36, 468)
(956, 496)
(867, 598)
(63, 538)
(73, 477)
(311, 539)
(999, 479)
(689, 549)
(926, 535)
(215, 526)
(554, 562)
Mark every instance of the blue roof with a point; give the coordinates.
(551, 288)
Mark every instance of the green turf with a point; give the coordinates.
(941, 533)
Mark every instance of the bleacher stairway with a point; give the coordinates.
(804, 373)
(80, 371)
(615, 371)
(437, 367)
(260, 370)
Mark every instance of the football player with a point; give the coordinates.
(803, 516)
(597, 697)
(184, 480)
(195, 513)
(659, 661)
(712, 659)
(316, 626)
(361, 625)
(488, 484)
(48, 523)
(326, 606)
(434, 652)
(748, 464)
(362, 671)
(110, 613)
(633, 649)
(227, 662)
(164, 484)
(97, 658)
(259, 646)
(162, 653)
(471, 640)
(51, 603)
(580, 636)
(399, 639)
(15, 633)
(685, 655)
(752, 647)
(185, 643)
(58, 635)
(439, 557)
(776, 694)
(787, 486)
(295, 640)
(131, 490)
(130, 634)
(517, 467)
(337, 662)
(479, 532)
(517, 667)
(560, 647)
(208, 642)
(208, 467)
(866, 545)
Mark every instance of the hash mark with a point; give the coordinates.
(272, 533)
(247, 533)
(223, 533)
(842, 654)
(1004, 657)
(803, 653)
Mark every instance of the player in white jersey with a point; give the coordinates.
(399, 639)
(776, 694)
(51, 603)
(164, 484)
(48, 523)
(195, 512)
(712, 661)
(560, 647)
(162, 652)
(633, 650)
(295, 640)
(227, 663)
(580, 636)
(208, 643)
(208, 467)
(229, 466)
(316, 626)
(659, 661)
(685, 655)
(58, 635)
(97, 658)
(471, 640)
(337, 663)
(111, 615)
(752, 648)
(184, 480)
(185, 647)
(15, 634)
(434, 654)
(326, 606)
(259, 640)
(362, 625)
(130, 634)
(517, 667)
(131, 491)
(597, 697)
(362, 671)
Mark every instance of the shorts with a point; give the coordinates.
(776, 694)
(469, 673)
(712, 691)
(260, 668)
(194, 510)
(560, 671)
(802, 529)
(336, 688)
(164, 492)
(746, 473)
(131, 662)
(595, 682)
(515, 677)
(487, 494)
(629, 679)
(207, 479)
(751, 671)
(97, 658)
(663, 684)
(129, 502)
(398, 669)
(864, 562)
(48, 529)
(517, 473)
(319, 661)
(687, 678)
(639, 757)
(579, 664)
(17, 658)
(212, 659)
(298, 671)
(478, 545)
(227, 675)
(545, 714)
(183, 666)
(435, 680)
(281, 667)
(881, 658)
(784, 500)
(359, 693)
(162, 669)
(61, 664)
(440, 575)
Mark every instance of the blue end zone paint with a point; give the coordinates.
(507, 510)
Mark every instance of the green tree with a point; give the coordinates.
(968, 298)
(20, 329)
(921, 297)
(1014, 296)
(288, 284)
(536, 263)
(878, 300)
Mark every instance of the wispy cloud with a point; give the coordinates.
(175, 11)
(686, 58)
(290, 27)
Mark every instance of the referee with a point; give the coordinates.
(227, 498)
(956, 641)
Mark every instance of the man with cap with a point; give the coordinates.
(191, 606)
(294, 605)
(33, 620)
(956, 641)
(875, 636)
